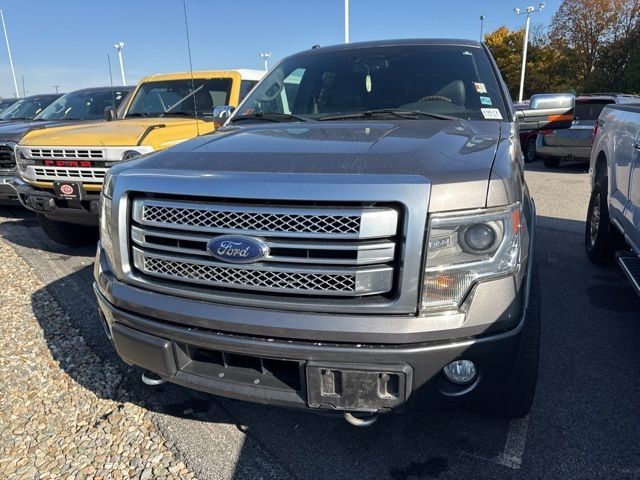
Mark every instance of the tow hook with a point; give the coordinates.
(365, 421)
(150, 378)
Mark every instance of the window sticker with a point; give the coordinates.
(367, 83)
(480, 87)
(491, 113)
(486, 101)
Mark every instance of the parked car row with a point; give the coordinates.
(351, 233)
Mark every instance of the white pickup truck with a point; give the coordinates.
(613, 220)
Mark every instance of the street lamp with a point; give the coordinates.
(265, 56)
(346, 21)
(482, 17)
(6, 39)
(527, 11)
(119, 46)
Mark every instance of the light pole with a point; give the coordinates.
(265, 57)
(119, 46)
(56, 87)
(6, 39)
(527, 11)
(482, 17)
(346, 21)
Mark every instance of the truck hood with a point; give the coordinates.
(109, 134)
(14, 131)
(456, 156)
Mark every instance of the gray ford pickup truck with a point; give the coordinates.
(358, 238)
(613, 218)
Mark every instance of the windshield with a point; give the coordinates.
(7, 102)
(27, 108)
(82, 105)
(446, 80)
(589, 110)
(176, 97)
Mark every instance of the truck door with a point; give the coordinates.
(624, 135)
(632, 211)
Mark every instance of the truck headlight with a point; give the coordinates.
(21, 160)
(106, 204)
(464, 247)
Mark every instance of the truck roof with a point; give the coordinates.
(397, 42)
(246, 74)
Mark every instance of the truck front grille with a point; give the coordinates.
(313, 251)
(88, 175)
(7, 158)
(66, 153)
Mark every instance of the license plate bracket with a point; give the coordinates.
(357, 387)
(68, 190)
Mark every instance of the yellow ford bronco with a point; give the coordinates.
(62, 169)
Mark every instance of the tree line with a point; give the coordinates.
(590, 46)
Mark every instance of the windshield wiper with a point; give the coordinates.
(269, 116)
(395, 112)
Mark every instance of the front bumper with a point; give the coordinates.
(287, 371)
(82, 212)
(8, 194)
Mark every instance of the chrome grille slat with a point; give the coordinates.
(365, 253)
(280, 279)
(313, 250)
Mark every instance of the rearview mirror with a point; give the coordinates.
(223, 111)
(110, 114)
(547, 111)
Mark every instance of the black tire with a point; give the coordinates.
(601, 238)
(517, 399)
(68, 233)
(530, 153)
(551, 162)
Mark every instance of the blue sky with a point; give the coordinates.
(66, 42)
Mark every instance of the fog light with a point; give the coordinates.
(460, 371)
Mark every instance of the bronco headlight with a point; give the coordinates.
(464, 247)
(106, 204)
(21, 159)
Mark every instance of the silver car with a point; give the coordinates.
(554, 146)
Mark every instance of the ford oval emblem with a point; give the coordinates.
(237, 249)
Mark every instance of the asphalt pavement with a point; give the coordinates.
(585, 422)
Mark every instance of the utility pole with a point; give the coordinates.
(6, 39)
(346, 21)
(24, 90)
(119, 46)
(265, 57)
(56, 87)
(528, 11)
(482, 17)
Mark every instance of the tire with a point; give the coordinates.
(551, 162)
(516, 400)
(601, 238)
(68, 233)
(530, 153)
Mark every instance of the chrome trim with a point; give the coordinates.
(81, 153)
(323, 281)
(356, 223)
(367, 253)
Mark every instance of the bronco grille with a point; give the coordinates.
(7, 158)
(332, 251)
(62, 153)
(88, 175)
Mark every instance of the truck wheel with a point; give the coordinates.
(517, 399)
(551, 162)
(68, 233)
(530, 153)
(601, 238)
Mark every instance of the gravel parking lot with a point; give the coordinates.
(70, 407)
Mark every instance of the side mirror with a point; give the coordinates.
(547, 111)
(223, 111)
(110, 114)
